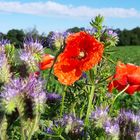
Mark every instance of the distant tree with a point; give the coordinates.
(124, 38)
(2, 35)
(129, 37)
(16, 37)
(32, 32)
(75, 29)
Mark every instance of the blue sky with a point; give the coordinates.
(58, 15)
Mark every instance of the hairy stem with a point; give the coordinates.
(89, 105)
(63, 100)
(3, 128)
(118, 96)
(35, 123)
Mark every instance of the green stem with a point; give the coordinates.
(118, 96)
(20, 111)
(55, 59)
(53, 136)
(3, 128)
(63, 100)
(35, 123)
(82, 109)
(61, 137)
(89, 105)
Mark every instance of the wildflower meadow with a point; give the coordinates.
(72, 90)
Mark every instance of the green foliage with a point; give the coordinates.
(97, 24)
(16, 37)
(129, 37)
(75, 29)
(128, 54)
(10, 53)
(3, 128)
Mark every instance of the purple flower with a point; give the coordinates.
(73, 125)
(129, 123)
(4, 42)
(84, 75)
(12, 89)
(39, 98)
(33, 46)
(67, 119)
(91, 31)
(112, 35)
(3, 59)
(99, 116)
(128, 116)
(57, 39)
(31, 53)
(34, 89)
(112, 129)
(26, 56)
(53, 97)
(109, 36)
(49, 130)
(4, 68)
(99, 113)
(49, 127)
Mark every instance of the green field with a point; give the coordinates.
(127, 54)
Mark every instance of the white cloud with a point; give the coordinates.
(57, 9)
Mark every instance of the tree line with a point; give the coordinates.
(16, 36)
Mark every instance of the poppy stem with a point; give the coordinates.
(89, 105)
(63, 100)
(118, 96)
(55, 59)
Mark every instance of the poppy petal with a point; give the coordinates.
(134, 78)
(65, 75)
(46, 62)
(131, 89)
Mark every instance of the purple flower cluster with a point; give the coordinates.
(3, 59)
(4, 42)
(99, 116)
(53, 97)
(111, 33)
(4, 66)
(32, 46)
(99, 113)
(128, 116)
(127, 124)
(31, 88)
(31, 53)
(57, 39)
(26, 56)
(12, 89)
(73, 125)
(109, 36)
(112, 128)
(91, 31)
(34, 88)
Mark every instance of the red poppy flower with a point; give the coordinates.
(46, 62)
(128, 74)
(81, 53)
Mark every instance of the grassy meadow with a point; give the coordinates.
(127, 54)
